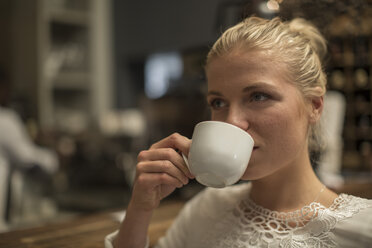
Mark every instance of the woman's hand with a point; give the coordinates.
(160, 170)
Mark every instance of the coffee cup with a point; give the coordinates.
(219, 153)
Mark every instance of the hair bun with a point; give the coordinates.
(310, 32)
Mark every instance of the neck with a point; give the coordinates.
(290, 188)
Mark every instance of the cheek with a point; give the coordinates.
(270, 128)
(285, 130)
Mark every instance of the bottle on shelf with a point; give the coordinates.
(361, 78)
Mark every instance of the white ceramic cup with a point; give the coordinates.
(219, 153)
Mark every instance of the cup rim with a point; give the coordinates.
(226, 123)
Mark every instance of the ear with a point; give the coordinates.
(317, 104)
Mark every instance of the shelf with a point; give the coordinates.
(72, 81)
(74, 51)
(350, 72)
(361, 107)
(72, 17)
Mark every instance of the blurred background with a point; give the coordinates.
(87, 84)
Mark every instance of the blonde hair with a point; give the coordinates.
(297, 44)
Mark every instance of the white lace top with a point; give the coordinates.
(227, 218)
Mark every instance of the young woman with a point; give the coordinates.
(265, 77)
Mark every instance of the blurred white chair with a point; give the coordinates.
(19, 149)
(18, 155)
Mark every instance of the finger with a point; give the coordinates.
(161, 166)
(151, 180)
(180, 163)
(165, 154)
(175, 141)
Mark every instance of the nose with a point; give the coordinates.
(237, 117)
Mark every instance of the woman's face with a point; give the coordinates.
(250, 91)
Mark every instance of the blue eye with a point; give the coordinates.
(259, 96)
(217, 104)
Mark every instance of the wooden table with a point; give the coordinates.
(87, 231)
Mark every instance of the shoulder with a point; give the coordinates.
(350, 206)
(355, 218)
(7, 112)
(9, 117)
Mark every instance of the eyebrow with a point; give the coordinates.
(254, 86)
(259, 85)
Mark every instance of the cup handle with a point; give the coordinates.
(186, 161)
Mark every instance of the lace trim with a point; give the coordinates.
(250, 225)
(281, 221)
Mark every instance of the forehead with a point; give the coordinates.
(241, 67)
(248, 61)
